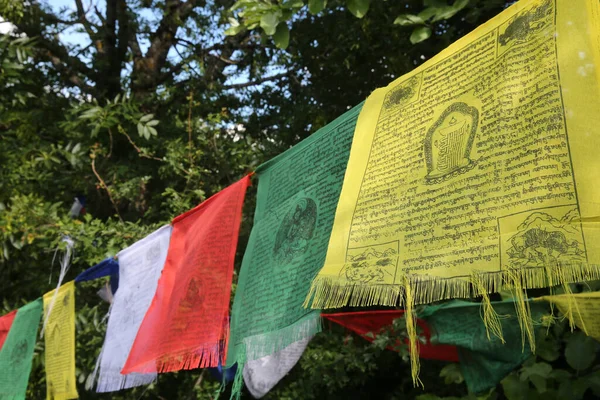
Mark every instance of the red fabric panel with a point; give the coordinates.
(5, 324)
(187, 324)
(364, 322)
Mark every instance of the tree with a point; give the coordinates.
(156, 110)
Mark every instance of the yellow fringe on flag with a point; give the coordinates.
(411, 330)
(490, 317)
(522, 309)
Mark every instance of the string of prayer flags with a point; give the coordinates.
(484, 361)
(140, 266)
(260, 376)
(582, 310)
(297, 195)
(59, 340)
(462, 170)
(365, 323)
(187, 324)
(5, 324)
(17, 352)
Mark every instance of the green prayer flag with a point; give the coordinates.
(484, 362)
(17, 352)
(297, 196)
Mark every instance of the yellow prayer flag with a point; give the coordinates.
(480, 165)
(582, 309)
(60, 343)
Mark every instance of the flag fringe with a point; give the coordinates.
(259, 346)
(489, 316)
(203, 357)
(336, 292)
(112, 382)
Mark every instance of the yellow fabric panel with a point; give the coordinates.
(482, 161)
(60, 343)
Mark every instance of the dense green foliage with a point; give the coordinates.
(157, 109)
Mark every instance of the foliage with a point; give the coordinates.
(157, 108)
(274, 16)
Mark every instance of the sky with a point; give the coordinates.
(74, 38)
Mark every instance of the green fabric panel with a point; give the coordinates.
(17, 353)
(484, 362)
(297, 197)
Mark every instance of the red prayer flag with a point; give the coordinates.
(5, 324)
(187, 324)
(364, 322)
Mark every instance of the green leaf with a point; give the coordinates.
(358, 8)
(269, 22)
(427, 13)
(452, 374)
(316, 6)
(547, 348)
(559, 374)
(460, 4)
(540, 369)
(420, 34)
(448, 12)
(233, 22)
(580, 351)
(293, 4)
(234, 30)
(140, 129)
(514, 388)
(282, 36)
(146, 117)
(152, 131)
(408, 19)
(539, 383)
(154, 122)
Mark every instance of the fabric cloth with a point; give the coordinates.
(484, 362)
(187, 325)
(297, 195)
(582, 309)
(364, 322)
(260, 376)
(140, 266)
(5, 324)
(463, 168)
(107, 267)
(17, 352)
(59, 340)
(223, 374)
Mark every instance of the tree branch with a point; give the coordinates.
(103, 184)
(257, 82)
(83, 20)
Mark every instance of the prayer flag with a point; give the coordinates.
(364, 322)
(260, 376)
(106, 267)
(484, 361)
(59, 339)
(481, 164)
(17, 352)
(187, 325)
(140, 266)
(582, 309)
(297, 195)
(5, 324)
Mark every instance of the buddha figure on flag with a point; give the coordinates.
(449, 141)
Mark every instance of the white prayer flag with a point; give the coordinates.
(140, 266)
(263, 374)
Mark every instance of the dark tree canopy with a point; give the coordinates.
(162, 104)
